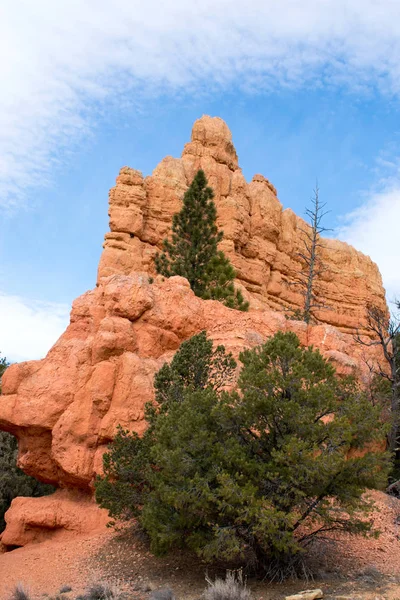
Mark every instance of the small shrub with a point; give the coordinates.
(100, 591)
(233, 587)
(65, 589)
(370, 575)
(20, 593)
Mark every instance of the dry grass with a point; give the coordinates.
(233, 587)
(65, 589)
(20, 593)
(102, 590)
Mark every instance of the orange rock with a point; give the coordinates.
(65, 409)
(63, 514)
(261, 239)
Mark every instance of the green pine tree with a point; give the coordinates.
(196, 365)
(193, 249)
(253, 474)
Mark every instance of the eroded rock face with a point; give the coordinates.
(65, 408)
(66, 513)
(261, 239)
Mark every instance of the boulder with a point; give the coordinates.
(306, 595)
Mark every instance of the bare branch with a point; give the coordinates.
(384, 332)
(313, 266)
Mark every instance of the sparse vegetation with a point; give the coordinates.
(193, 250)
(20, 593)
(255, 473)
(65, 589)
(100, 591)
(371, 575)
(233, 587)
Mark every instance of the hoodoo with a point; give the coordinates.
(65, 408)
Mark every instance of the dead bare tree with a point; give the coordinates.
(384, 331)
(307, 279)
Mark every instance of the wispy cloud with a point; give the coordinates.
(63, 61)
(373, 226)
(374, 229)
(28, 329)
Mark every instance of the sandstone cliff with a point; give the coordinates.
(261, 239)
(65, 408)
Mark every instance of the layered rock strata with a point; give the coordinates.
(262, 240)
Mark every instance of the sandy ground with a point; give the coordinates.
(46, 567)
(347, 566)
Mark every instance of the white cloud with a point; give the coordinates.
(374, 229)
(63, 62)
(28, 329)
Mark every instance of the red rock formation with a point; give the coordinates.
(65, 408)
(64, 514)
(261, 239)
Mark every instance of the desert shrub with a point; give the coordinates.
(371, 575)
(233, 587)
(193, 251)
(65, 589)
(255, 473)
(20, 593)
(100, 591)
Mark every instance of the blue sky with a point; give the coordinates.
(309, 90)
